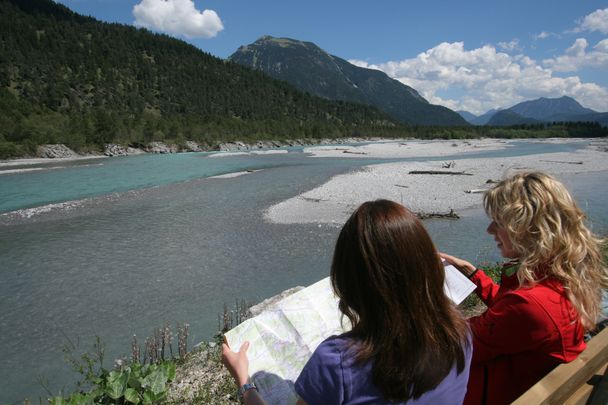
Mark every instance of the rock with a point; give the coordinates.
(192, 146)
(232, 146)
(238, 146)
(272, 301)
(134, 151)
(113, 149)
(55, 151)
(160, 147)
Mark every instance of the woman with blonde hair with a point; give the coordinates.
(408, 343)
(550, 288)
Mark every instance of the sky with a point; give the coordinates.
(465, 55)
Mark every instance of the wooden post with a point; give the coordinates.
(567, 379)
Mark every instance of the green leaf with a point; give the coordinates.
(169, 370)
(155, 381)
(134, 381)
(81, 399)
(97, 392)
(132, 396)
(117, 383)
(154, 398)
(136, 368)
(57, 401)
(148, 397)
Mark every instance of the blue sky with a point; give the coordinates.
(471, 55)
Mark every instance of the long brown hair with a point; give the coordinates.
(389, 279)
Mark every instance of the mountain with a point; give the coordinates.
(66, 78)
(544, 108)
(478, 120)
(469, 117)
(509, 117)
(311, 69)
(562, 109)
(483, 119)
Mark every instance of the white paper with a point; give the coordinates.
(457, 286)
(283, 337)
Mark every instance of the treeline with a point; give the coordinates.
(540, 130)
(22, 131)
(69, 79)
(20, 134)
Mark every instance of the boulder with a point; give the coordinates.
(113, 149)
(232, 146)
(55, 151)
(271, 302)
(192, 146)
(134, 151)
(160, 147)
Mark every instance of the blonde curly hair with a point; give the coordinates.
(547, 229)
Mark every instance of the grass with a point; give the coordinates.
(472, 305)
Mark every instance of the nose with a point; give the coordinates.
(491, 228)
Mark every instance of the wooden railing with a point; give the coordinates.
(582, 381)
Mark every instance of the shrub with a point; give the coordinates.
(8, 150)
(130, 382)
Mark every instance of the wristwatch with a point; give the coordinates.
(246, 387)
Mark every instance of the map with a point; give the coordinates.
(284, 336)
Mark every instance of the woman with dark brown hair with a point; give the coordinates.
(408, 343)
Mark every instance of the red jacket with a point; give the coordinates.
(524, 334)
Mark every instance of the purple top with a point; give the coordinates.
(330, 377)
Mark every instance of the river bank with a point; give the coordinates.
(57, 153)
(426, 186)
(374, 148)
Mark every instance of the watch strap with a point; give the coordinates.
(246, 387)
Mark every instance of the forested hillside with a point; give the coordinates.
(65, 78)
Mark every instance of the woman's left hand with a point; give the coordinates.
(237, 363)
(465, 267)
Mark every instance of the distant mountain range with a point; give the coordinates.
(309, 68)
(562, 109)
(477, 120)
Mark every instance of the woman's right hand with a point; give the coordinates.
(465, 267)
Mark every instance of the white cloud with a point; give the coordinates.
(488, 78)
(596, 21)
(510, 46)
(177, 17)
(577, 57)
(363, 64)
(544, 35)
